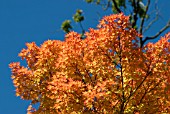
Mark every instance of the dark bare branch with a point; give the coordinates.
(157, 34)
(117, 8)
(150, 24)
(135, 12)
(155, 18)
(142, 21)
(83, 31)
(143, 18)
(134, 91)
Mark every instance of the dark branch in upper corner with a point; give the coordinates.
(149, 25)
(142, 22)
(155, 18)
(135, 6)
(117, 8)
(157, 34)
(143, 18)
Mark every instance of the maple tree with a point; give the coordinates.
(107, 72)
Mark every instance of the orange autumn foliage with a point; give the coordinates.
(105, 73)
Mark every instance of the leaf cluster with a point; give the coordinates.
(77, 17)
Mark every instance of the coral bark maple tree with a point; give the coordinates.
(107, 72)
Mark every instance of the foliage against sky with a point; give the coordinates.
(143, 14)
(107, 72)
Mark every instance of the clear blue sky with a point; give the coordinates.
(24, 21)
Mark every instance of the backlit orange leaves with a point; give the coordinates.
(107, 72)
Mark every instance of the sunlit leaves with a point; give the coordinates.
(107, 72)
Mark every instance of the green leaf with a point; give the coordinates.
(66, 26)
(89, 1)
(98, 2)
(77, 17)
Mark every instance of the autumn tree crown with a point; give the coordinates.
(107, 72)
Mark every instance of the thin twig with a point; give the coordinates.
(83, 31)
(106, 6)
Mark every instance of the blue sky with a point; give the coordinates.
(24, 21)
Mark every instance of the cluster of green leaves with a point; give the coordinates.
(66, 26)
(96, 1)
(77, 17)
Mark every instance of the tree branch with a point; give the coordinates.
(135, 12)
(143, 18)
(134, 91)
(157, 34)
(149, 25)
(83, 31)
(131, 94)
(146, 91)
(123, 100)
(117, 8)
(142, 22)
(154, 19)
